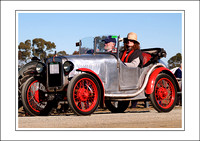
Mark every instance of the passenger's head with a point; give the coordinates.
(109, 43)
(131, 41)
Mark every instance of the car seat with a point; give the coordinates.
(146, 58)
(152, 55)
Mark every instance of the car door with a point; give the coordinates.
(128, 77)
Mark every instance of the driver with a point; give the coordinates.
(110, 44)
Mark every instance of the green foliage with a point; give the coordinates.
(62, 53)
(39, 47)
(42, 47)
(24, 51)
(50, 55)
(175, 61)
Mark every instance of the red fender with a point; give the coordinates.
(150, 85)
(98, 79)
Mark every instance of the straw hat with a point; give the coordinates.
(132, 36)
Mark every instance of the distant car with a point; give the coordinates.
(96, 77)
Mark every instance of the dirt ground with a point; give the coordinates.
(139, 117)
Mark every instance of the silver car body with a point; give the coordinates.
(119, 81)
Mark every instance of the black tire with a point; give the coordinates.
(25, 76)
(83, 94)
(165, 93)
(34, 101)
(120, 106)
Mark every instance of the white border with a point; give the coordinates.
(191, 69)
(131, 129)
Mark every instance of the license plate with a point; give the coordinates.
(54, 68)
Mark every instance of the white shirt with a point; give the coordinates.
(134, 63)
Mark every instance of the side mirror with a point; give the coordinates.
(78, 43)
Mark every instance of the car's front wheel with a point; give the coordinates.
(83, 94)
(165, 93)
(117, 106)
(33, 98)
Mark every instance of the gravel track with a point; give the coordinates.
(132, 118)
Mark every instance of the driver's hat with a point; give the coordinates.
(109, 39)
(132, 36)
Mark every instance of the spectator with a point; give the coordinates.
(178, 72)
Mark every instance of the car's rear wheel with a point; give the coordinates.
(165, 93)
(117, 106)
(83, 94)
(33, 98)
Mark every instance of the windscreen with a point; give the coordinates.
(87, 45)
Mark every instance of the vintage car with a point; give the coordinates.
(95, 78)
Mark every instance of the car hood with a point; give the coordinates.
(95, 62)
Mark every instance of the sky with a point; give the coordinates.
(162, 30)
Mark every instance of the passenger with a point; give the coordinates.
(131, 55)
(110, 44)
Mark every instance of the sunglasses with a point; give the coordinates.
(130, 41)
(126, 41)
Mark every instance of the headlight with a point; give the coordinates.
(68, 66)
(39, 68)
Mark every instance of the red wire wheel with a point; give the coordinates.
(165, 93)
(83, 94)
(33, 98)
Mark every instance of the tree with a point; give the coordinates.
(50, 55)
(24, 51)
(62, 53)
(43, 47)
(75, 52)
(39, 48)
(175, 61)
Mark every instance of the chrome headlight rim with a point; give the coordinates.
(39, 68)
(68, 66)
